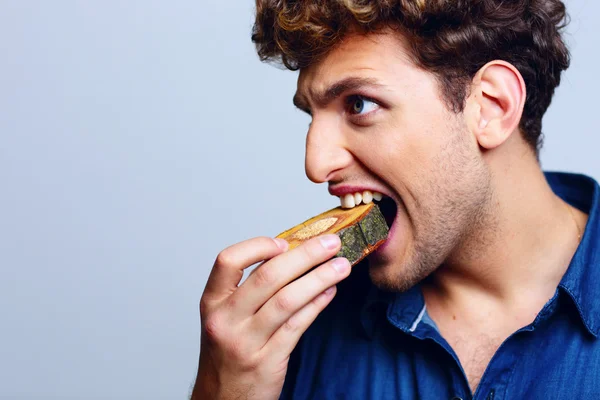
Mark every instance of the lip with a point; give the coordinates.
(350, 189)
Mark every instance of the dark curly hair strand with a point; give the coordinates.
(452, 39)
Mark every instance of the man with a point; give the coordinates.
(486, 287)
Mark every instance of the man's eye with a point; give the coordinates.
(359, 105)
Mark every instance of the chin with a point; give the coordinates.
(391, 277)
(403, 263)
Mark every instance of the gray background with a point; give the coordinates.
(138, 139)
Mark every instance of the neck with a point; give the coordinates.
(522, 249)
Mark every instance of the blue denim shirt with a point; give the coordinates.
(368, 344)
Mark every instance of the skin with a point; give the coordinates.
(408, 142)
(249, 331)
(478, 226)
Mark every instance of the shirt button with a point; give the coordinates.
(457, 398)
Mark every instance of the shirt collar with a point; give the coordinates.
(402, 309)
(581, 281)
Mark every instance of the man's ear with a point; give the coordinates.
(495, 104)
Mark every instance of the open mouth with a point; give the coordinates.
(389, 209)
(386, 204)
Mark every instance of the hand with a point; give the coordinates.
(249, 332)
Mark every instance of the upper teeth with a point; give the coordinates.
(353, 199)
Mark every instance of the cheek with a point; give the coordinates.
(406, 148)
(407, 145)
(382, 149)
(429, 135)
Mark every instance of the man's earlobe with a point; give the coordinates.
(496, 101)
(483, 122)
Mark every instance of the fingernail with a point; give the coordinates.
(282, 244)
(329, 241)
(329, 291)
(341, 265)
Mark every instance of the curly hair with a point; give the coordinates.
(452, 39)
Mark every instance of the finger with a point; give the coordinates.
(229, 266)
(289, 300)
(285, 339)
(270, 277)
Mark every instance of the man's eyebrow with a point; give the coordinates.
(334, 91)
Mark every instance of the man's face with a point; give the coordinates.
(380, 123)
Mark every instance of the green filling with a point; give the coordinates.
(353, 243)
(357, 238)
(373, 227)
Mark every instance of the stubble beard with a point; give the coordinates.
(456, 204)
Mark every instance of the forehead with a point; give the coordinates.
(376, 55)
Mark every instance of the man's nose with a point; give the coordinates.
(326, 151)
